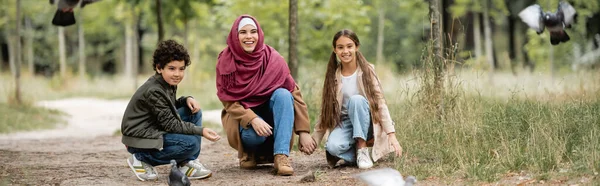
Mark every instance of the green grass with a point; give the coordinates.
(25, 117)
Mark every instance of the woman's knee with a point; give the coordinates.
(250, 138)
(281, 93)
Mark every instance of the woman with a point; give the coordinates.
(353, 108)
(262, 103)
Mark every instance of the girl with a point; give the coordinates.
(353, 109)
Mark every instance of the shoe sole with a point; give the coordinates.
(200, 177)
(135, 172)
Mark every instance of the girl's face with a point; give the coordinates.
(345, 50)
(173, 72)
(248, 37)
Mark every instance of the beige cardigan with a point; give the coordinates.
(381, 145)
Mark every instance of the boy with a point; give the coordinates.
(156, 127)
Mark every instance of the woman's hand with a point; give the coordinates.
(261, 127)
(394, 143)
(193, 105)
(210, 134)
(307, 144)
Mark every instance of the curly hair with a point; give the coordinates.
(168, 51)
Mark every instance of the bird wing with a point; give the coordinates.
(382, 177)
(532, 16)
(568, 13)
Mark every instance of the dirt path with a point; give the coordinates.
(85, 152)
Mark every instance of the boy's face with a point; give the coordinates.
(173, 72)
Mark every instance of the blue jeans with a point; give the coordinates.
(342, 139)
(279, 113)
(180, 147)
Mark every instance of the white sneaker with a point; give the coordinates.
(195, 170)
(142, 170)
(363, 159)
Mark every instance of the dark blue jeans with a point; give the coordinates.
(279, 113)
(180, 147)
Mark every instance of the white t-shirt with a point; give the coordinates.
(349, 88)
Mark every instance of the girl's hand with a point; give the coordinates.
(394, 143)
(261, 127)
(193, 105)
(306, 143)
(210, 135)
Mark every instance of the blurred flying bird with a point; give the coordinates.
(385, 177)
(176, 177)
(64, 15)
(555, 22)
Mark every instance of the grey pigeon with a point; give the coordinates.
(64, 15)
(555, 22)
(385, 177)
(176, 177)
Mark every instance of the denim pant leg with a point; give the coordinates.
(196, 118)
(180, 147)
(282, 107)
(251, 140)
(360, 116)
(340, 142)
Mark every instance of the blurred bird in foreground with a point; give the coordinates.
(555, 22)
(64, 15)
(176, 177)
(385, 177)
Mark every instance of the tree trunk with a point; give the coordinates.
(161, 30)
(18, 55)
(489, 44)
(81, 41)
(477, 34)
(186, 31)
(380, 33)
(437, 56)
(62, 52)
(512, 44)
(293, 38)
(29, 45)
(11, 50)
(136, 52)
(128, 50)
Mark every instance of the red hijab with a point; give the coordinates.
(251, 78)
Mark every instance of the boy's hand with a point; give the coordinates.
(210, 135)
(193, 105)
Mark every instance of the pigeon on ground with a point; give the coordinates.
(555, 22)
(64, 15)
(176, 177)
(385, 177)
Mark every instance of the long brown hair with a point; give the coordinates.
(330, 108)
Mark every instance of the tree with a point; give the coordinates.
(293, 38)
(437, 56)
(487, 34)
(18, 55)
(159, 21)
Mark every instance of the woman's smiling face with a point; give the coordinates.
(248, 36)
